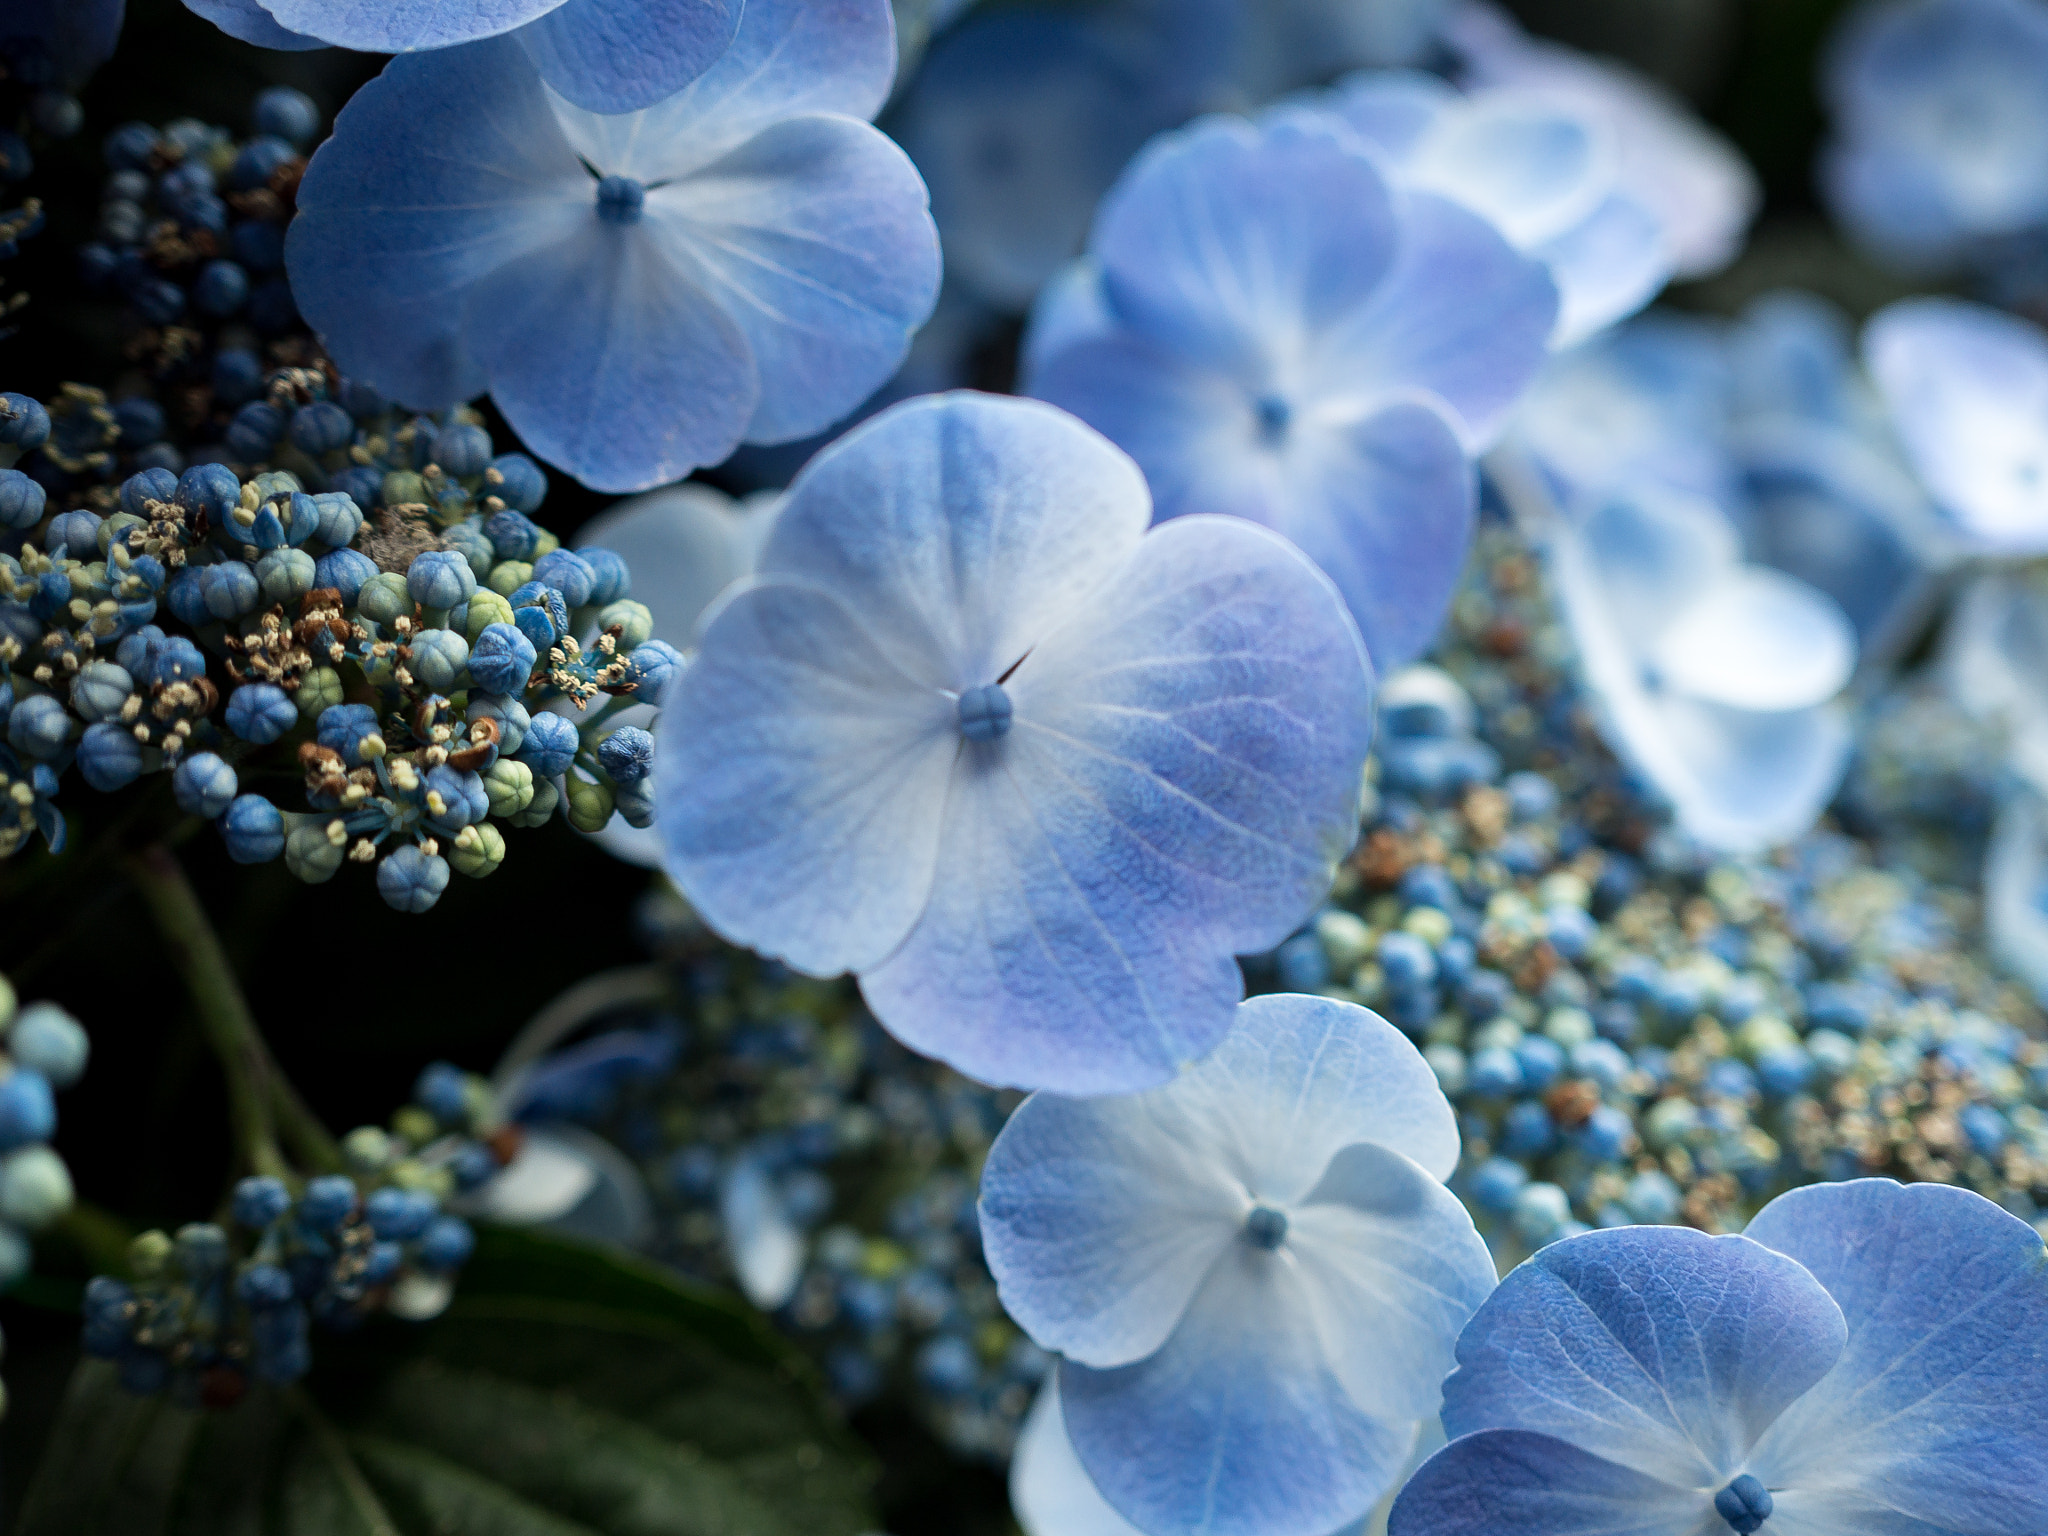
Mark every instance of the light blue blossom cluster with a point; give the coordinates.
(430, 667)
(213, 1308)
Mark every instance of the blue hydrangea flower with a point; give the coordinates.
(1070, 767)
(1712, 678)
(639, 293)
(1254, 1275)
(603, 55)
(1701, 189)
(1967, 389)
(1275, 332)
(1546, 172)
(1939, 111)
(1866, 1358)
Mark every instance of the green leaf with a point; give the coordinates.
(567, 1392)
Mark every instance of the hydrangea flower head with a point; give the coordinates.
(1712, 677)
(1033, 774)
(1940, 118)
(640, 293)
(603, 55)
(1254, 1275)
(1866, 1358)
(1274, 331)
(1545, 169)
(1967, 389)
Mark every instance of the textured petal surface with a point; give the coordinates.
(401, 26)
(1394, 1270)
(1511, 1482)
(815, 239)
(252, 23)
(440, 172)
(1178, 785)
(1238, 1426)
(790, 58)
(1050, 1491)
(798, 763)
(1659, 1348)
(1757, 639)
(1938, 1408)
(1967, 387)
(623, 55)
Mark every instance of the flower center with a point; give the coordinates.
(620, 200)
(1265, 1228)
(1745, 1504)
(985, 713)
(1274, 416)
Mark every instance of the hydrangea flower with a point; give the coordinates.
(1071, 769)
(1254, 1275)
(1275, 332)
(1866, 1358)
(603, 55)
(1545, 170)
(1712, 678)
(1967, 389)
(1701, 189)
(639, 293)
(1939, 112)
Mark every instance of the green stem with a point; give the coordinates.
(259, 1097)
(368, 1508)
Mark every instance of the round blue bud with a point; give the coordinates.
(985, 713)
(343, 728)
(283, 113)
(132, 654)
(21, 500)
(612, 580)
(345, 570)
(1745, 1504)
(39, 727)
(340, 519)
(253, 829)
(627, 754)
(210, 489)
(186, 595)
(400, 1215)
(383, 1263)
(172, 659)
(230, 589)
(513, 535)
(139, 420)
(1406, 961)
(410, 880)
(138, 491)
(28, 1109)
(472, 1165)
(24, 424)
(438, 657)
(550, 746)
(237, 376)
(262, 1287)
(260, 1201)
(512, 719)
(653, 663)
(521, 484)
(461, 796)
(1541, 1060)
(130, 146)
(109, 756)
(443, 1091)
(568, 573)
(1607, 1134)
(222, 288)
(502, 659)
(257, 161)
(261, 713)
(363, 401)
(76, 534)
(254, 430)
(446, 1245)
(462, 450)
(258, 245)
(328, 1201)
(322, 427)
(1495, 1073)
(1496, 1182)
(48, 1040)
(540, 613)
(1528, 1130)
(439, 578)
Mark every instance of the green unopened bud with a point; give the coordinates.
(286, 575)
(590, 805)
(311, 853)
(509, 785)
(541, 809)
(150, 1254)
(403, 488)
(485, 607)
(319, 689)
(633, 618)
(476, 850)
(508, 576)
(8, 1003)
(383, 598)
(35, 1187)
(546, 544)
(367, 1149)
(114, 529)
(438, 659)
(415, 1126)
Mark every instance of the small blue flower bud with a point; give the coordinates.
(237, 375)
(254, 430)
(202, 1250)
(257, 161)
(185, 595)
(76, 534)
(439, 578)
(455, 799)
(283, 113)
(51, 597)
(627, 754)
(22, 500)
(443, 1091)
(521, 484)
(100, 689)
(512, 719)
(383, 1263)
(447, 1245)
(502, 660)
(438, 657)
(230, 589)
(463, 451)
(654, 663)
(540, 613)
(211, 489)
(410, 880)
(343, 728)
(204, 785)
(261, 1287)
(28, 1110)
(473, 1166)
(636, 804)
(39, 727)
(400, 1215)
(253, 829)
(138, 491)
(568, 573)
(513, 535)
(260, 1201)
(260, 713)
(327, 1203)
(222, 288)
(321, 428)
(550, 746)
(621, 200)
(172, 659)
(345, 570)
(1745, 1504)
(48, 1040)
(610, 579)
(109, 756)
(139, 420)
(1265, 1227)
(474, 545)
(24, 424)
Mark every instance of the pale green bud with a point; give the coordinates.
(590, 805)
(319, 689)
(485, 607)
(510, 786)
(286, 575)
(384, 598)
(312, 853)
(508, 576)
(633, 618)
(476, 850)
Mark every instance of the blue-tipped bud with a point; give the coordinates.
(568, 573)
(345, 570)
(627, 754)
(1745, 1504)
(550, 746)
(262, 1287)
(260, 1201)
(28, 1109)
(24, 424)
(327, 1203)
(230, 589)
(502, 659)
(439, 578)
(411, 880)
(447, 1245)
(253, 829)
(463, 451)
(22, 500)
(260, 713)
(109, 756)
(73, 534)
(520, 483)
(610, 579)
(283, 113)
(322, 427)
(39, 727)
(48, 1040)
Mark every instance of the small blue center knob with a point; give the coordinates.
(985, 713)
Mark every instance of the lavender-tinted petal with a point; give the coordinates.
(623, 55)
(252, 23)
(1512, 1482)
(1050, 1491)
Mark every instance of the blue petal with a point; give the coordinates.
(1606, 268)
(1510, 1482)
(392, 235)
(1659, 1348)
(684, 544)
(1234, 245)
(1938, 1408)
(401, 26)
(764, 1245)
(790, 58)
(1393, 110)
(623, 55)
(815, 238)
(1531, 168)
(1757, 639)
(1050, 1492)
(1238, 1426)
(1072, 308)
(252, 23)
(1178, 785)
(1395, 1271)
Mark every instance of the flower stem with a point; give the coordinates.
(260, 1099)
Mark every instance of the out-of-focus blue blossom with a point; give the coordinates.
(1994, 659)
(1198, 689)
(51, 46)
(1967, 390)
(1712, 678)
(1860, 1360)
(603, 55)
(2016, 888)
(1253, 1275)
(1545, 171)
(1276, 333)
(1702, 191)
(1939, 112)
(640, 293)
